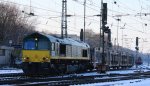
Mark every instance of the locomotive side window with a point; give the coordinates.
(57, 49)
(2, 52)
(53, 46)
(62, 50)
(29, 44)
(43, 44)
(84, 53)
(68, 50)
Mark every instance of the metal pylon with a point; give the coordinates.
(64, 19)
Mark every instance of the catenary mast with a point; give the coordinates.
(64, 19)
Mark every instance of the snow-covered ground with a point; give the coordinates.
(135, 82)
(141, 68)
(11, 71)
(6, 70)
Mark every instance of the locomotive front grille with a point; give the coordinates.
(36, 56)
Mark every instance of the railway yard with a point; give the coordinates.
(16, 77)
(38, 49)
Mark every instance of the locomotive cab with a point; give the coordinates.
(36, 52)
(36, 49)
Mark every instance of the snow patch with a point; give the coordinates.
(136, 82)
(11, 71)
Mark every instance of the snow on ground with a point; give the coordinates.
(142, 68)
(135, 82)
(115, 72)
(6, 70)
(108, 72)
(11, 71)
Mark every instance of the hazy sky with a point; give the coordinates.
(134, 15)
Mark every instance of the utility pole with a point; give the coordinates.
(64, 19)
(137, 49)
(30, 6)
(115, 48)
(100, 38)
(148, 58)
(122, 35)
(104, 22)
(102, 66)
(117, 32)
(84, 19)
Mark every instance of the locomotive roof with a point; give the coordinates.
(68, 41)
(74, 42)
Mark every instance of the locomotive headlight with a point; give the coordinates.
(45, 59)
(26, 59)
(36, 39)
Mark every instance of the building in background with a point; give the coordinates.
(5, 55)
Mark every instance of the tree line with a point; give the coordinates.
(14, 24)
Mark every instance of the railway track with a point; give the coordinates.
(68, 80)
(22, 74)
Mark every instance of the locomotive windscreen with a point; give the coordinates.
(36, 44)
(29, 44)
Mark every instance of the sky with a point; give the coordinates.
(134, 16)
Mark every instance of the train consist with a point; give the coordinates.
(44, 53)
(114, 59)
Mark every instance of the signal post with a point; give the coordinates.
(102, 66)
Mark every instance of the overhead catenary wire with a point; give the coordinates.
(118, 12)
(31, 6)
(88, 6)
(56, 21)
(45, 9)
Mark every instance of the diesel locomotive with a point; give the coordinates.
(44, 53)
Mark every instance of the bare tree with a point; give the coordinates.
(13, 24)
(92, 38)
